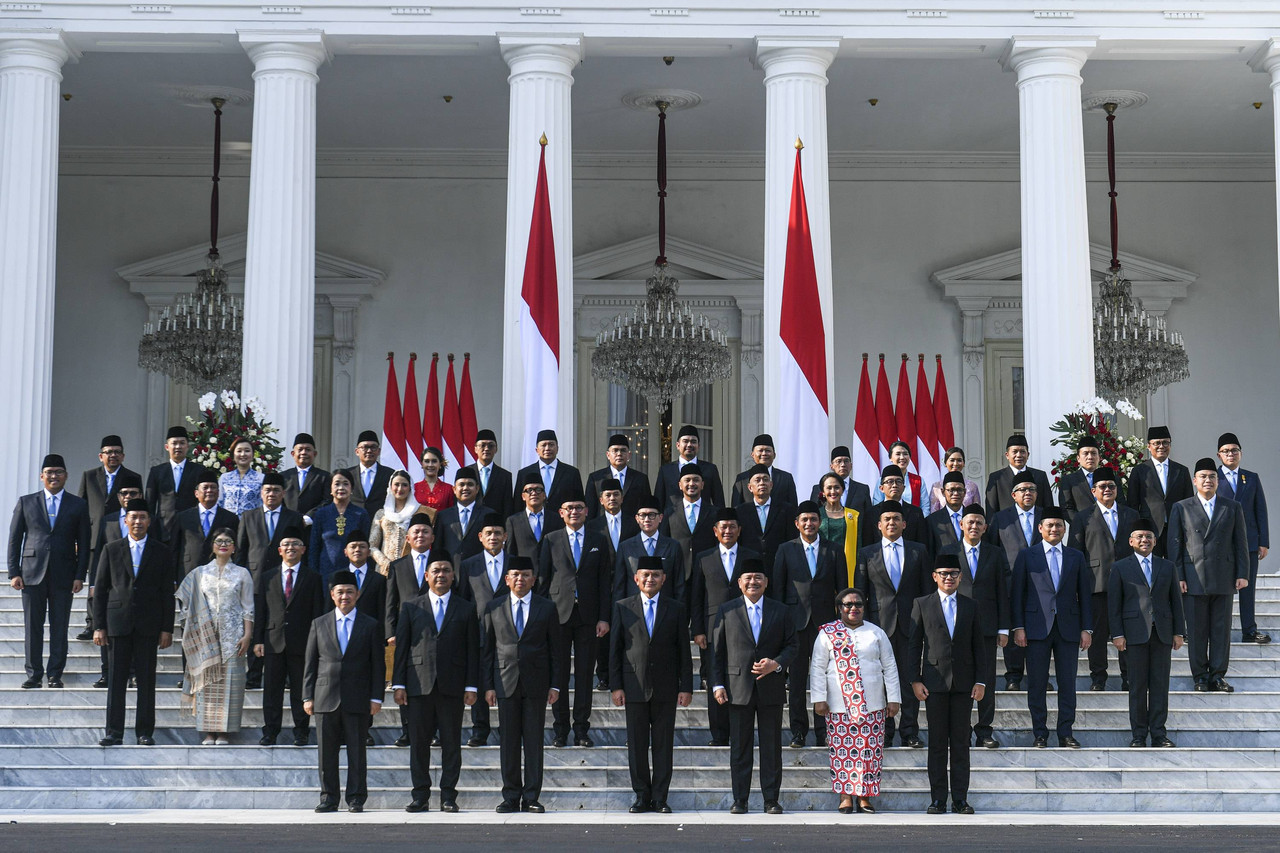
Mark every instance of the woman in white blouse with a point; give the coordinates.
(853, 682)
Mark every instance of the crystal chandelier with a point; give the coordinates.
(1134, 353)
(197, 341)
(662, 350)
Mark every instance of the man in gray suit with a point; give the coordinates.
(48, 564)
(1245, 487)
(98, 486)
(481, 579)
(1209, 548)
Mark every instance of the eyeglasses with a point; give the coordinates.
(950, 573)
(851, 605)
(223, 542)
(1229, 451)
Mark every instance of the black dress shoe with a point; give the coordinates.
(1041, 743)
(179, 684)
(1138, 743)
(559, 741)
(110, 741)
(639, 807)
(507, 807)
(133, 683)
(936, 807)
(355, 808)
(101, 682)
(325, 808)
(435, 741)
(1261, 639)
(86, 634)
(1013, 684)
(55, 683)
(1201, 687)
(662, 808)
(987, 743)
(1219, 686)
(702, 684)
(1068, 742)
(584, 741)
(601, 685)
(797, 743)
(865, 808)
(1050, 687)
(300, 741)
(418, 806)
(256, 684)
(533, 807)
(914, 743)
(477, 741)
(403, 740)
(1124, 685)
(773, 807)
(715, 742)
(1163, 742)
(738, 807)
(368, 740)
(266, 740)
(962, 807)
(449, 806)
(31, 684)
(1098, 686)
(146, 740)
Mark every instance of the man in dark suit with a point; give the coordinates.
(305, 485)
(1075, 490)
(754, 640)
(48, 563)
(133, 617)
(648, 543)
(913, 527)
(1050, 601)
(891, 574)
(519, 671)
(458, 526)
(369, 478)
(945, 662)
(856, 495)
(406, 580)
(1014, 529)
(667, 486)
(481, 579)
(689, 520)
(526, 527)
(343, 685)
(1000, 483)
(287, 601)
(192, 530)
(258, 537)
(944, 526)
(559, 480)
(633, 484)
(615, 527)
(369, 581)
(651, 673)
(1209, 548)
(436, 672)
(496, 487)
(984, 577)
(1100, 531)
(98, 487)
(171, 485)
(1147, 625)
(784, 485)
(114, 526)
(809, 572)
(1245, 488)
(574, 572)
(715, 581)
(767, 520)
(1157, 483)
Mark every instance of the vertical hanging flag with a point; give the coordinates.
(906, 419)
(393, 451)
(539, 320)
(451, 422)
(866, 434)
(926, 452)
(942, 412)
(888, 427)
(431, 412)
(412, 422)
(467, 411)
(803, 421)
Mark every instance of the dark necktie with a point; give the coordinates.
(288, 584)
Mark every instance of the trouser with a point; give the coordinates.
(1098, 651)
(743, 721)
(798, 687)
(717, 714)
(602, 661)
(138, 652)
(651, 724)
(480, 725)
(1248, 621)
(1065, 652)
(520, 718)
(577, 641)
(908, 725)
(255, 668)
(427, 714)
(38, 601)
(987, 704)
(1149, 666)
(948, 716)
(1015, 662)
(1209, 626)
(332, 730)
(276, 667)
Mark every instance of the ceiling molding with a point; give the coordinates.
(633, 260)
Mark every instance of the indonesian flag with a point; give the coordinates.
(926, 452)
(393, 451)
(431, 414)
(412, 422)
(539, 320)
(866, 435)
(906, 417)
(942, 412)
(451, 422)
(467, 411)
(803, 424)
(888, 427)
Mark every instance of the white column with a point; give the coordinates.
(795, 81)
(30, 74)
(541, 81)
(280, 256)
(1267, 61)
(1057, 295)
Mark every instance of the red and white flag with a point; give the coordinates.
(866, 434)
(412, 422)
(906, 418)
(451, 423)
(926, 451)
(942, 413)
(887, 426)
(539, 321)
(431, 412)
(467, 411)
(803, 421)
(393, 451)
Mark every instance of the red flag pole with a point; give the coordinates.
(942, 410)
(467, 406)
(451, 423)
(431, 414)
(887, 426)
(393, 448)
(412, 422)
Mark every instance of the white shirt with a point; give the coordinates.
(445, 599)
(284, 569)
(300, 472)
(527, 601)
(414, 555)
(491, 561)
(1047, 548)
(696, 505)
(724, 552)
(876, 665)
(350, 619)
(756, 618)
(136, 547)
(1208, 505)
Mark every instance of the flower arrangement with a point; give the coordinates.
(1088, 417)
(223, 418)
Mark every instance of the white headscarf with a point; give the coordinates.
(410, 506)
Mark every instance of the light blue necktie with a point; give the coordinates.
(1089, 477)
(577, 548)
(495, 577)
(439, 614)
(648, 544)
(895, 565)
(692, 516)
(343, 633)
(649, 616)
(955, 522)
(950, 612)
(302, 479)
(1111, 522)
(136, 550)
(1055, 570)
(368, 481)
(728, 565)
(622, 479)
(1146, 569)
(484, 479)
(422, 569)
(519, 618)
(1026, 525)
(271, 523)
(973, 562)
(547, 476)
(536, 520)
(811, 555)
(763, 512)
(613, 530)
(754, 611)
(53, 510)
(359, 579)
(111, 478)
(205, 520)
(464, 515)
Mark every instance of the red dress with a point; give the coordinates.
(441, 497)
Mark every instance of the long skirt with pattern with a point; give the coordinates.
(856, 745)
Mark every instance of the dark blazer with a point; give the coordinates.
(650, 669)
(141, 606)
(373, 593)
(627, 528)
(472, 582)
(520, 539)
(108, 532)
(427, 660)
(629, 554)
(402, 586)
(635, 489)
(709, 588)
(676, 525)
(1036, 607)
(589, 584)
(784, 488)
(1254, 504)
(567, 482)
(1000, 489)
(943, 662)
(283, 625)
(1075, 494)
(93, 488)
(857, 496)
(735, 651)
(1091, 536)
(166, 498)
(1137, 610)
(1209, 556)
(990, 589)
(511, 662)
(942, 533)
(60, 553)
(377, 496)
(914, 529)
(191, 547)
(451, 537)
(888, 608)
(1145, 495)
(667, 487)
(1005, 530)
(812, 598)
(254, 549)
(348, 682)
(500, 495)
(779, 527)
(313, 494)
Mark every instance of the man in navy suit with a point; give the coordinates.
(171, 485)
(1245, 488)
(495, 481)
(369, 478)
(784, 485)
(305, 485)
(558, 479)
(98, 486)
(667, 486)
(648, 543)
(1075, 491)
(633, 484)
(689, 519)
(1052, 590)
(1000, 483)
(1016, 528)
(458, 526)
(1157, 483)
(767, 520)
(192, 529)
